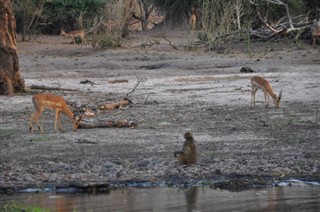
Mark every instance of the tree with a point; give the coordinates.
(10, 80)
(146, 8)
(29, 13)
(177, 11)
(126, 17)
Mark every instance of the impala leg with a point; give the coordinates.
(57, 120)
(267, 100)
(253, 95)
(83, 41)
(31, 122)
(36, 118)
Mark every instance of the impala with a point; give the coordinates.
(315, 33)
(193, 18)
(44, 101)
(75, 34)
(263, 84)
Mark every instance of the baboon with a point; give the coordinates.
(188, 154)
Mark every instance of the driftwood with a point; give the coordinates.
(43, 87)
(173, 46)
(116, 105)
(139, 80)
(118, 81)
(283, 27)
(95, 123)
(87, 82)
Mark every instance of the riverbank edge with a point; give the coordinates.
(232, 182)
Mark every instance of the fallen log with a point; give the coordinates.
(43, 87)
(118, 81)
(95, 123)
(120, 104)
(87, 82)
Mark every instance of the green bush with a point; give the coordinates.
(13, 207)
(54, 14)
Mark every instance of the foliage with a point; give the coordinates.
(7, 132)
(73, 14)
(13, 207)
(177, 11)
(216, 18)
(27, 14)
(54, 14)
(107, 41)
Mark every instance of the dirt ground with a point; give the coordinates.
(185, 90)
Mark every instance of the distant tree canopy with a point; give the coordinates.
(48, 16)
(176, 9)
(224, 16)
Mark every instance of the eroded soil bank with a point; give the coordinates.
(198, 91)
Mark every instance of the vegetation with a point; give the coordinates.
(217, 19)
(48, 16)
(14, 207)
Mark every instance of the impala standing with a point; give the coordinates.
(257, 83)
(193, 18)
(75, 34)
(44, 101)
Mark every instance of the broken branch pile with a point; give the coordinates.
(287, 25)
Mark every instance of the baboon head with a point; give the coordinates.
(188, 135)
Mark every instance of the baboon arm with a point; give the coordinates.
(177, 153)
(186, 150)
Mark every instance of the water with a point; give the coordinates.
(282, 198)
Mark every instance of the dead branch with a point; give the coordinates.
(264, 21)
(173, 46)
(116, 105)
(279, 2)
(43, 87)
(139, 80)
(87, 82)
(118, 81)
(283, 27)
(95, 123)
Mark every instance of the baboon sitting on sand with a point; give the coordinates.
(188, 154)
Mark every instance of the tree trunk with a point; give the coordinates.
(10, 80)
(126, 17)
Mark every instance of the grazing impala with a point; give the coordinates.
(44, 101)
(75, 34)
(262, 84)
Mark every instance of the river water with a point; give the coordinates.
(282, 198)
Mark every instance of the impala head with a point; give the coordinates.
(278, 100)
(62, 32)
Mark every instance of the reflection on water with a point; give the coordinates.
(294, 198)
